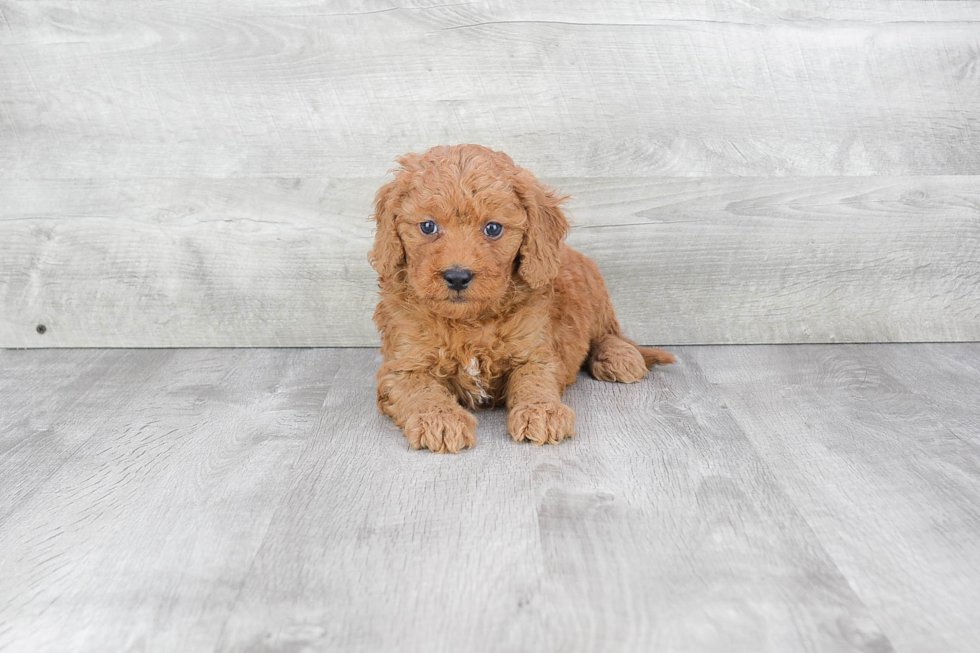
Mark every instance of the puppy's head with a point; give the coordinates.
(465, 228)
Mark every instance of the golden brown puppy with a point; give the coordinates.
(482, 303)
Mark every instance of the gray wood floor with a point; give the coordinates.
(773, 498)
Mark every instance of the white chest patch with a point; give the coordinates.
(481, 396)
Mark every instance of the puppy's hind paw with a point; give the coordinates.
(544, 423)
(613, 359)
(442, 430)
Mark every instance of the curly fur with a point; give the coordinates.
(535, 312)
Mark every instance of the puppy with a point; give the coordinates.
(483, 304)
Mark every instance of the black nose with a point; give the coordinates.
(457, 278)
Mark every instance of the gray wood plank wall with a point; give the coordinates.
(200, 174)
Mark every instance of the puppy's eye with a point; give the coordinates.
(428, 227)
(493, 230)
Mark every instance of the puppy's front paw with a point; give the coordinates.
(442, 430)
(545, 423)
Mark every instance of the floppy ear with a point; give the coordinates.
(388, 253)
(540, 253)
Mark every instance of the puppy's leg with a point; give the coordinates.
(614, 359)
(426, 411)
(536, 411)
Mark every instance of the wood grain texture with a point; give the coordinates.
(139, 538)
(255, 500)
(189, 89)
(183, 263)
(886, 474)
(943, 376)
(572, 548)
(54, 399)
(282, 262)
(196, 174)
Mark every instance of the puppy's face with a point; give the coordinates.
(466, 228)
(460, 244)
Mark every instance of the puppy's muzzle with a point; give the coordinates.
(457, 279)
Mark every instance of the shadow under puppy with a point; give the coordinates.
(482, 303)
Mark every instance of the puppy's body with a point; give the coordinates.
(515, 328)
(556, 326)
